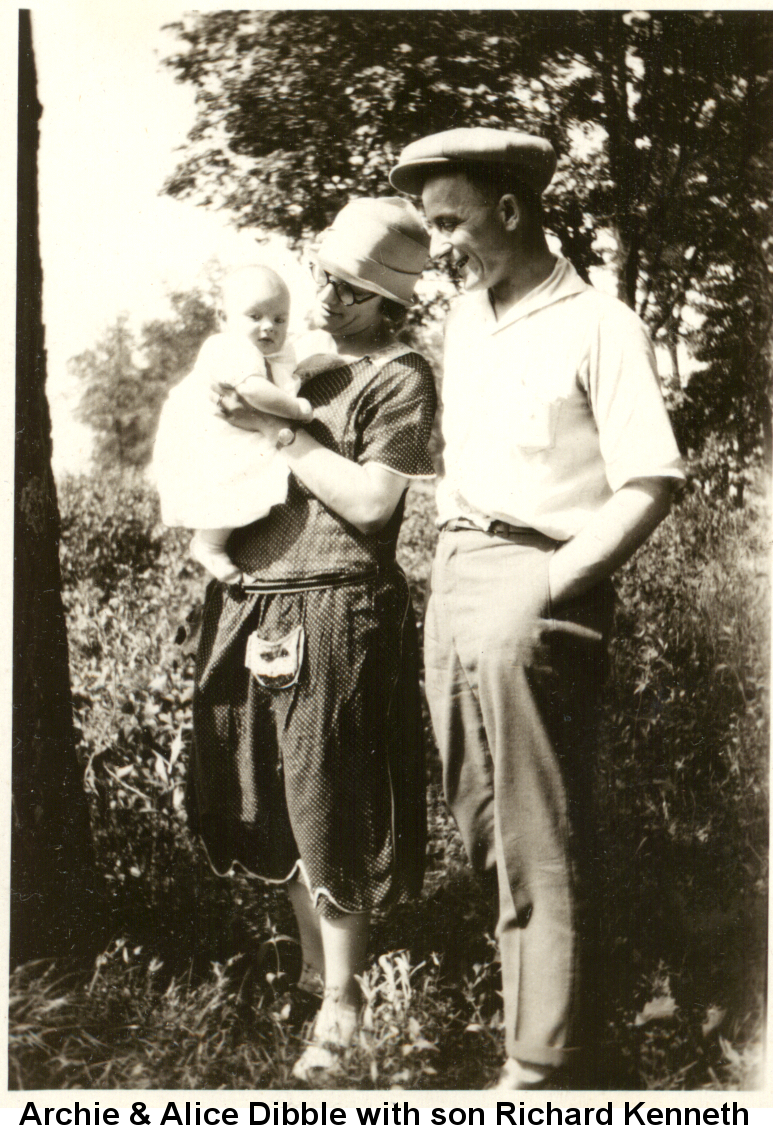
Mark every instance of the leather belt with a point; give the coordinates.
(495, 528)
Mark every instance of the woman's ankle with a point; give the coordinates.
(347, 995)
(337, 1023)
(310, 979)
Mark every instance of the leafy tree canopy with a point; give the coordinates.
(662, 123)
(127, 377)
(655, 117)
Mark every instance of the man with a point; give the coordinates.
(559, 463)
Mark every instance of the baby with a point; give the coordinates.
(211, 476)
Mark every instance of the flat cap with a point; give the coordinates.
(531, 159)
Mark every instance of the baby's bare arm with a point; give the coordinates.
(233, 363)
(265, 396)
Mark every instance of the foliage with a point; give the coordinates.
(662, 122)
(685, 765)
(726, 411)
(110, 532)
(298, 111)
(127, 377)
(191, 992)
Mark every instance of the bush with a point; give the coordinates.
(110, 531)
(127, 587)
(682, 793)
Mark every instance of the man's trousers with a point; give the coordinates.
(513, 689)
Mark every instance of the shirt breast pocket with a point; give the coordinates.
(535, 423)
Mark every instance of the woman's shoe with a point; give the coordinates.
(335, 1030)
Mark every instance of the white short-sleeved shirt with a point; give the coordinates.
(550, 410)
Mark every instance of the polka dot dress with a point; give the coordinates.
(327, 770)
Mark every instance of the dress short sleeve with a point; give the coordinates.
(395, 417)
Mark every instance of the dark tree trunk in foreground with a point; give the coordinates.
(53, 903)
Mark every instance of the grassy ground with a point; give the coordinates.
(187, 990)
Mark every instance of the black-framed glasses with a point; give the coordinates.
(343, 290)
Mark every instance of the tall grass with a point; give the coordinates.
(190, 989)
(682, 794)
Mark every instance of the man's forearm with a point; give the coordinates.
(606, 542)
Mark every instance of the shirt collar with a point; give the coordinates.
(563, 281)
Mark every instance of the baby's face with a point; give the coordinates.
(259, 309)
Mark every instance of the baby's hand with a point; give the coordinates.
(306, 410)
(299, 410)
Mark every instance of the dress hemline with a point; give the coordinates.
(298, 869)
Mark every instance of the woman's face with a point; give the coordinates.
(341, 319)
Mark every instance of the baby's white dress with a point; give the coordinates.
(211, 475)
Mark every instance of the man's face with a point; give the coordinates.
(467, 229)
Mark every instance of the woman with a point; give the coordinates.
(307, 764)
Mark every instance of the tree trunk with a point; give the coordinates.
(614, 81)
(53, 899)
(627, 267)
(673, 350)
(767, 444)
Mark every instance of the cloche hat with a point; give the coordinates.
(379, 243)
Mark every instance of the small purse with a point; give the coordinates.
(276, 664)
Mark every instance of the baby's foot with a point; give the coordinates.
(219, 564)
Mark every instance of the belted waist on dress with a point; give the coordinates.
(319, 580)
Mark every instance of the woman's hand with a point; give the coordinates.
(237, 412)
